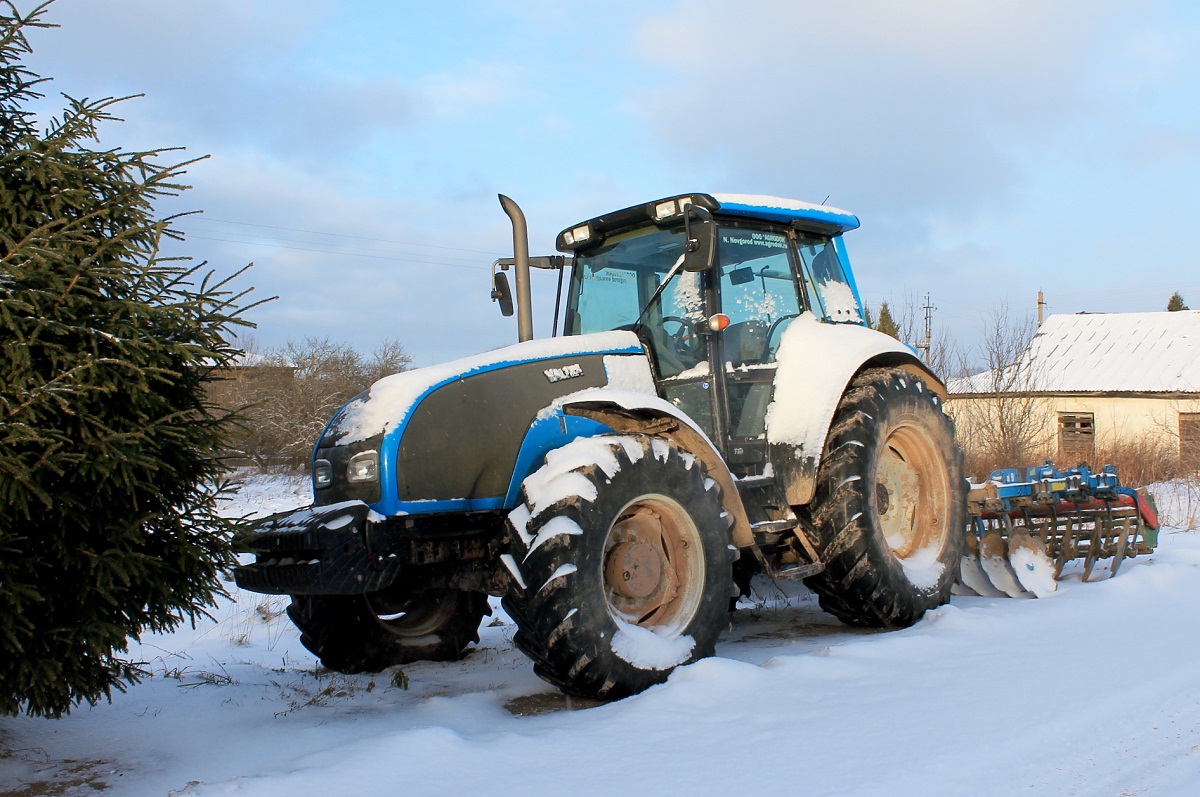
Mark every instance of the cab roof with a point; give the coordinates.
(773, 208)
(820, 219)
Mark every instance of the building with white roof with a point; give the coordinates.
(1098, 379)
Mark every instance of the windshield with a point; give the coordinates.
(612, 284)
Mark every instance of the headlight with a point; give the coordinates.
(580, 235)
(665, 210)
(363, 467)
(575, 238)
(322, 473)
(670, 209)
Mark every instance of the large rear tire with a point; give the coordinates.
(623, 555)
(890, 505)
(367, 633)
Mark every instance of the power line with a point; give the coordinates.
(333, 247)
(342, 253)
(333, 234)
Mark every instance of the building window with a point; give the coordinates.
(1189, 437)
(1076, 437)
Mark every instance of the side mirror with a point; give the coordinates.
(502, 293)
(701, 233)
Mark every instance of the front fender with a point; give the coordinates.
(816, 362)
(637, 413)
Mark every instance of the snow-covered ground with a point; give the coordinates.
(1092, 691)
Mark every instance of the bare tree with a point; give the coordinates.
(908, 329)
(290, 392)
(1002, 420)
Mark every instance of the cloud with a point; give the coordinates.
(222, 74)
(929, 106)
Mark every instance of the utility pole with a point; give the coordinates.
(1041, 306)
(924, 346)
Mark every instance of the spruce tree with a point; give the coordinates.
(887, 324)
(1175, 303)
(109, 480)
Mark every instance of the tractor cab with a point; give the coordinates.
(709, 284)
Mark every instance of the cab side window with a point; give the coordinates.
(826, 280)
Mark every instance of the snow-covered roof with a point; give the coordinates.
(1110, 353)
(775, 208)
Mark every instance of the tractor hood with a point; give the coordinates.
(448, 435)
(391, 400)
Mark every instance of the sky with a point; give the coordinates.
(356, 149)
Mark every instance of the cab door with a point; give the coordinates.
(757, 286)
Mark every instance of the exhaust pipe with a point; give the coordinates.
(521, 266)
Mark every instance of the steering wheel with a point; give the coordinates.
(775, 326)
(682, 341)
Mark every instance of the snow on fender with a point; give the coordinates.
(816, 361)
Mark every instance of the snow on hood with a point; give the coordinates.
(391, 399)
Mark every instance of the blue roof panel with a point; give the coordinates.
(778, 209)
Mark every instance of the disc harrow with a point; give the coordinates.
(1025, 527)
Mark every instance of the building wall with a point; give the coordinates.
(1127, 418)
(1116, 419)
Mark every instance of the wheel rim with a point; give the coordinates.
(654, 565)
(409, 616)
(912, 496)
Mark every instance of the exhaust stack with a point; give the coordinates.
(521, 266)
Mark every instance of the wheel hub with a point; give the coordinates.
(653, 569)
(412, 615)
(634, 569)
(909, 495)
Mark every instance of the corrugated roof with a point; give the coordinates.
(1112, 352)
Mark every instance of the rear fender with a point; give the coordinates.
(817, 362)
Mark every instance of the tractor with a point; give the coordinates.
(711, 408)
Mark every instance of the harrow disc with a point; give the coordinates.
(1023, 532)
(993, 556)
(971, 573)
(1032, 563)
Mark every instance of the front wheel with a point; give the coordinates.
(623, 557)
(890, 506)
(367, 633)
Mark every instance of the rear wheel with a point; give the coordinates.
(623, 553)
(367, 633)
(890, 508)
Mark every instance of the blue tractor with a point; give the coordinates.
(713, 407)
